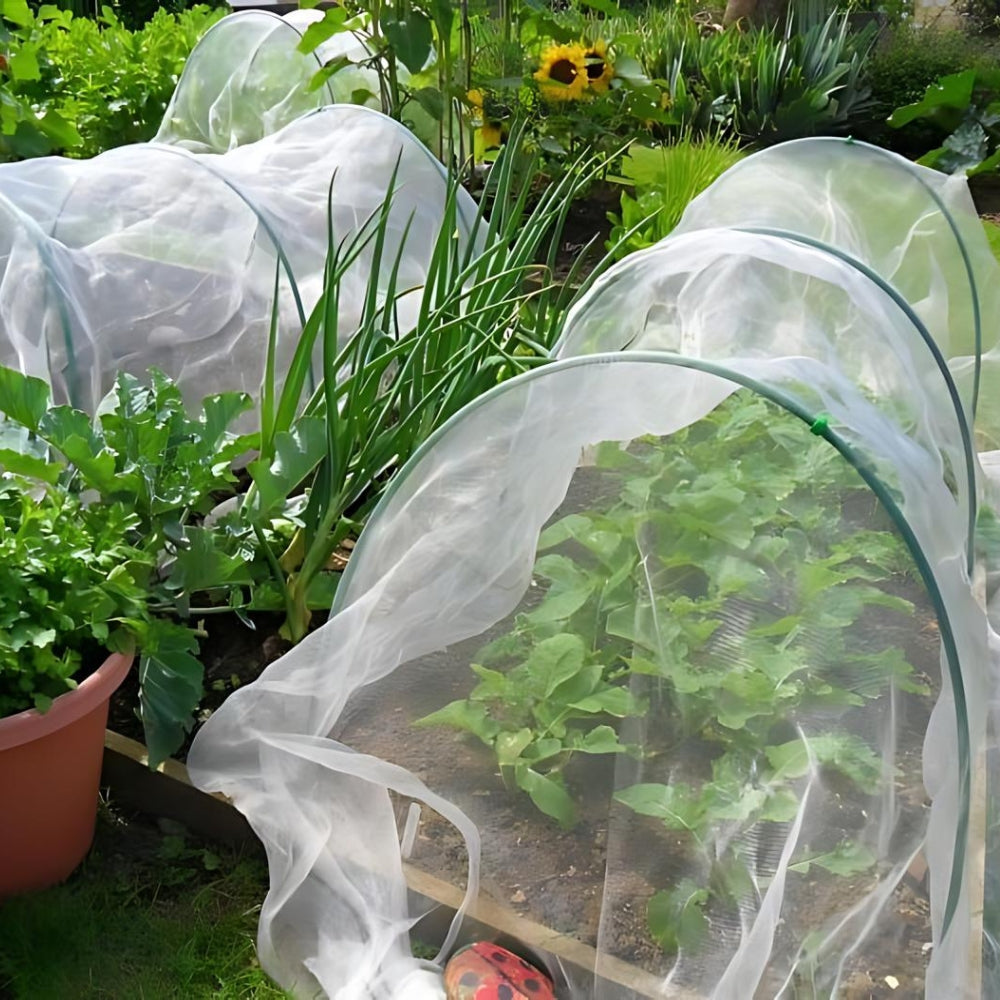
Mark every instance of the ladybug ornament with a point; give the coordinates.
(485, 971)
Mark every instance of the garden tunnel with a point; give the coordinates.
(154, 256)
(246, 79)
(716, 572)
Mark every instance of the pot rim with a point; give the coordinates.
(31, 724)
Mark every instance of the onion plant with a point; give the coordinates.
(488, 310)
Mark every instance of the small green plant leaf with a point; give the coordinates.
(843, 752)
(676, 917)
(170, 679)
(411, 37)
(469, 716)
(847, 858)
(554, 661)
(296, 454)
(548, 794)
(510, 746)
(678, 805)
(23, 398)
(600, 739)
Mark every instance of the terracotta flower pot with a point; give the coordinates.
(50, 769)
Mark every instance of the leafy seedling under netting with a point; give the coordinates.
(722, 613)
(704, 715)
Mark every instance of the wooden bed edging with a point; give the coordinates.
(167, 792)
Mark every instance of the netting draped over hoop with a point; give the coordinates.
(246, 79)
(154, 256)
(713, 571)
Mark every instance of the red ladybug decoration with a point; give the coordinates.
(485, 971)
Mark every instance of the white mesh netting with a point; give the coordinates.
(154, 256)
(718, 587)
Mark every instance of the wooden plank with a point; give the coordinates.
(168, 792)
(585, 960)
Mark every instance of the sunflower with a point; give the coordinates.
(562, 76)
(600, 69)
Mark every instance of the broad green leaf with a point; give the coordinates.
(28, 465)
(616, 701)
(202, 565)
(547, 794)
(296, 454)
(678, 805)
(676, 917)
(17, 12)
(952, 92)
(411, 37)
(846, 859)
(324, 73)
(220, 412)
(600, 739)
(333, 23)
(554, 661)
(579, 686)
(23, 398)
(543, 750)
(23, 62)
(170, 688)
(844, 752)
(509, 746)
(431, 100)
(559, 605)
(561, 570)
(62, 133)
(492, 683)
(465, 715)
(782, 806)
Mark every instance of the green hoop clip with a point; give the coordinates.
(820, 425)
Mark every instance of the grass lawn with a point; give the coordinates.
(151, 915)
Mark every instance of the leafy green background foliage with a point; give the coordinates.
(664, 180)
(78, 86)
(965, 109)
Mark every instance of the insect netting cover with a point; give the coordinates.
(668, 658)
(246, 79)
(153, 256)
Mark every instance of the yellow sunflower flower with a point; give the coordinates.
(562, 75)
(600, 69)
